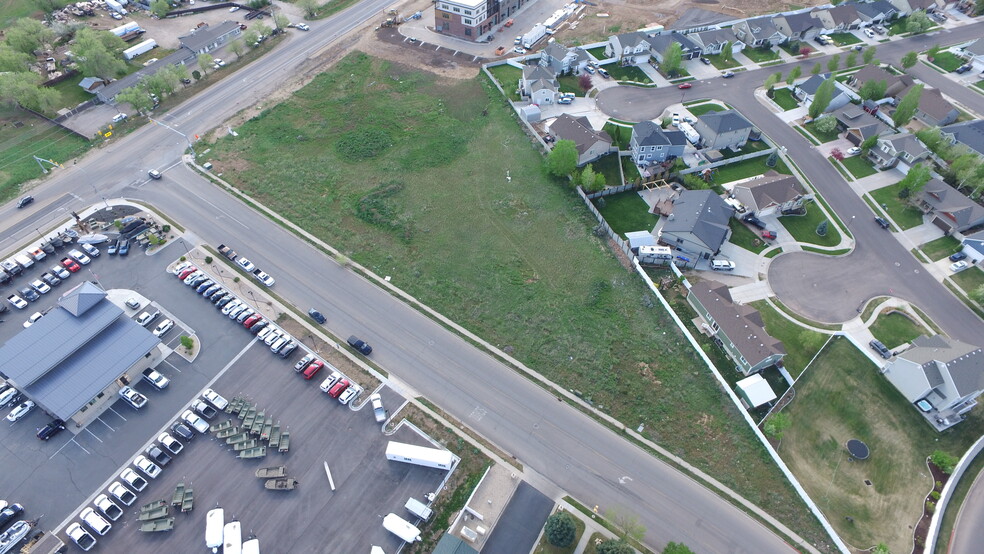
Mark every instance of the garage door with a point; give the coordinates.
(942, 224)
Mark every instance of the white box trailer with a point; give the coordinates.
(529, 39)
(419, 455)
(125, 29)
(24, 260)
(143, 47)
(418, 509)
(689, 132)
(116, 6)
(214, 523)
(401, 528)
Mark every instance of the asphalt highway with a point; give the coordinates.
(554, 441)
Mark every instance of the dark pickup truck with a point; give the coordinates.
(228, 252)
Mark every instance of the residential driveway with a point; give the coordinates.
(921, 234)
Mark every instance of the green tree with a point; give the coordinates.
(677, 548)
(12, 60)
(907, 106)
(672, 59)
(914, 180)
(136, 97)
(882, 548)
(918, 22)
(833, 63)
(869, 54)
(852, 59)
(309, 7)
(817, 68)
(933, 50)
(587, 177)
(771, 80)
(777, 424)
(187, 342)
(28, 35)
(562, 160)
(160, 8)
(822, 98)
(250, 37)
(794, 74)
(263, 29)
(693, 182)
(614, 546)
(825, 124)
(98, 55)
(933, 140)
(205, 62)
(237, 47)
(822, 228)
(560, 529)
(944, 461)
(868, 144)
(727, 52)
(909, 60)
(873, 90)
(281, 20)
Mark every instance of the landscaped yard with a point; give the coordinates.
(822, 137)
(609, 167)
(745, 169)
(843, 397)
(895, 329)
(859, 166)
(719, 62)
(969, 279)
(626, 73)
(784, 97)
(760, 55)
(544, 547)
(801, 344)
(941, 247)
(980, 84)
(626, 212)
(947, 60)
(702, 109)
(598, 53)
(33, 137)
(71, 94)
(620, 134)
(902, 213)
(804, 227)
(508, 77)
(742, 236)
(393, 167)
(845, 39)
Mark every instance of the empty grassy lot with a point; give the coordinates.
(394, 168)
(784, 97)
(895, 329)
(34, 137)
(508, 77)
(941, 247)
(842, 397)
(904, 214)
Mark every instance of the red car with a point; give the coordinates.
(769, 235)
(684, 85)
(338, 388)
(71, 265)
(251, 320)
(311, 370)
(184, 274)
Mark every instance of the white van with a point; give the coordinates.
(24, 260)
(722, 265)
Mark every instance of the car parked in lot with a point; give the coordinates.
(360, 345)
(60, 272)
(91, 250)
(95, 521)
(40, 286)
(51, 429)
(191, 276)
(959, 266)
(204, 409)
(259, 326)
(214, 288)
(279, 344)
(124, 247)
(186, 272)
(317, 316)
(17, 301)
(133, 397)
(10, 513)
(163, 328)
(157, 455)
(148, 467)
(7, 396)
(80, 536)
(33, 319)
(313, 369)
(145, 318)
(71, 265)
(353, 391)
(132, 303)
(108, 507)
(264, 278)
(303, 362)
(273, 337)
(754, 221)
(224, 301)
(957, 256)
(204, 286)
(135, 481)
(113, 247)
(235, 303)
(197, 423)
(302, 26)
(288, 349)
(330, 381)
(155, 378)
(244, 315)
(882, 350)
(20, 411)
(338, 388)
(29, 294)
(182, 430)
(122, 493)
(249, 321)
(853, 151)
(170, 443)
(80, 257)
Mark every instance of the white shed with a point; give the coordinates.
(755, 391)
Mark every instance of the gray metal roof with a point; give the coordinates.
(203, 37)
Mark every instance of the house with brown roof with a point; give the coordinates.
(858, 124)
(896, 84)
(934, 110)
(737, 328)
(952, 211)
(838, 19)
(590, 144)
(769, 193)
(941, 377)
(898, 149)
(798, 26)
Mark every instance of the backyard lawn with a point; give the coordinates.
(508, 77)
(902, 213)
(895, 329)
(822, 137)
(784, 97)
(544, 546)
(842, 397)
(760, 55)
(745, 169)
(947, 60)
(24, 135)
(969, 279)
(751, 147)
(626, 73)
(702, 109)
(804, 227)
(801, 344)
(941, 247)
(393, 167)
(744, 237)
(859, 166)
(626, 212)
(609, 167)
(621, 134)
(598, 53)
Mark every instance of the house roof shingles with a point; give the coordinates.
(702, 213)
(579, 130)
(968, 133)
(943, 198)
(724, 122)
(742, 324)
(772, 188)
(963, 361)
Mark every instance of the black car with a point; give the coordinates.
(25, 201)
(754, 221)
(158, 455)
(956, 257)
(51, 429)
(256, 327)
(882, 350)
(225, 300)
(29, 294)
(882, 222)
(10, 513)
(360, 345)
(316, 315)
(182, 430)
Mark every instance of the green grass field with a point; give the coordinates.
(859, 166)
(760, 55)
(969, 279)
(742, 236)
(843, 397)
(608, 166)
(801, 344)
(845, 39)
(804, 227)
(598, 53)
(702, 109)
(720, 63)
(745, 169)
(947, 61)
(508, 77)
(393, 168)
(35, 137)
(895, 329)
(904, 214)
(14, 9)
(940, 248)
(784, 97)
(627, 212)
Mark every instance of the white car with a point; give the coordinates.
(155, 378)
(60, 272)
(234, 9)
(218, 62)
(172, 444)
(303, 26)
(303, 362)
(194, 275)
(350, 393)
(163, 328)
(20, 411)
(264, 278)
(217, 400)
(33, 319)
(132, 303)
(6, 396)
(40, 286)
(192, 419)
(264, 333)
(95, 521)
(869, 33)
(231, 306)
(135, 481)
(272, 337)
(80, 536)
(181, 267)
(90, 250)
(959, 266)
(17, 301)
(151, 469)
(79, 257)
(245, 264)
(133, 397)
(146, 317)
(108, 507)
(853, 151)
(122, 493)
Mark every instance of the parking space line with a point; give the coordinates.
(93, 434)
(172, 366)
(117, 413)
(106, 424)
(70, 441)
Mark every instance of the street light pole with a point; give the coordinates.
(165, 125)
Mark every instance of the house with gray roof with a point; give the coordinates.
(894, 84)
(712, 41)
(941, 377)
(208, 38)
(952, 211)
(590, 144)
(737, 328)
(563, 60)
(906, 7)
(899, 149)
(539, 84)
(720, 130)
(769, 193)
(806, 90)
(628, 48)
(698, 224)
(798, 26)
(857, 124)
(973, 246)
(72, 361)
(967, 133)
(933, 109)
(838, 19)
(974, 54)
(658, 44)
(759, 32)
(876, 12)
(650, 144)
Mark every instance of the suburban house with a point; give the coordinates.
(737, 328)
(899, 149)
(650, 144)
(590, 144)
(720, 130)
(759, 32)
(539, 84)
(838, 19)
(754, 391)
(562, 60)
(470, 19)
(875, 13)
(974, 54)
(967, 133)
(895, 84)
(798, 26)
(805, 91)
(698, 224)
(906, 7)
(713, 41)
(973, 246)
(770, 193)
(629, 48)
(857, 124)
(952, 211)
(934, 110)
(941, 377)
(659, 43)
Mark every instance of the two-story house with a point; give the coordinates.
(806, 90)
(713, 41)
(650, 144)
(590, 144)
(857, 124)
(539, 84)
(838, 19)
(563, 60)
(967, 133)
(770, 193)
(900, 149)
(875, 12)
(952, 211)
(906, 7)
(758, 32)
(941, 377)
(798, 26)
(720, 130)
(658, 45)
(628, 48)
(698, 224)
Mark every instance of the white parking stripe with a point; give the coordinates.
(71, 441)
(172, 366)
(106, 424)
(93, 434)
(117, 413)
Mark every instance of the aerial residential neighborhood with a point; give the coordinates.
(501, 277)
